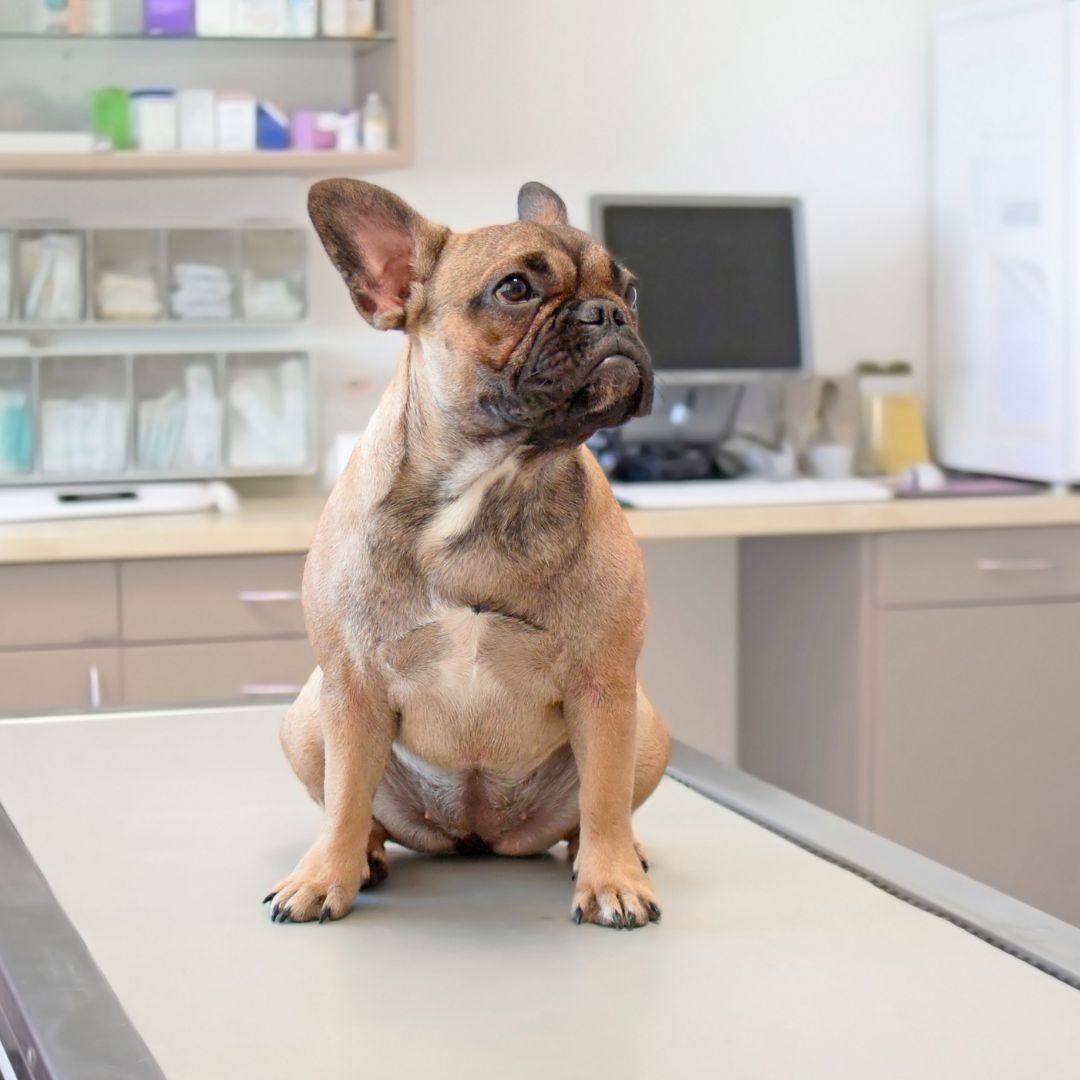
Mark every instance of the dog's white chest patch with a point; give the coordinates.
(475, 688)
(472, 480)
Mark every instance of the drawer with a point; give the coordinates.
(58, 604)
(215, 673)
(59, 680)
(191, 599)
(978, 566)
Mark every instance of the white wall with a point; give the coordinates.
(826, 99)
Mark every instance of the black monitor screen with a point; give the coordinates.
(718, 284)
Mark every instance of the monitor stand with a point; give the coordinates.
(678, 441)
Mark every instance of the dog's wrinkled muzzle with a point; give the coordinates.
(587, 370)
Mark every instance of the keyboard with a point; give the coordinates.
(691, 494)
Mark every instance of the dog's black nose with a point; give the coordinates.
(600, 313)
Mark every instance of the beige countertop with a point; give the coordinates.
(275, 526)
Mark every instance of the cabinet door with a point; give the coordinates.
(58, 604)
(220, 673)
(977, 742)
(687, 666)
(58, 680)
(209, 598)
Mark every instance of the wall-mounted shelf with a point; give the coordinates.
(49, 79)
(266, 162)
(371, 41)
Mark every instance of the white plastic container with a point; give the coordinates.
(235, 122)
(333, 18)
(348, 18)
(259, 18)
(302, 18)
(99, 17)
(213, 18)
(154, 114)
(376, 123)
(359, 18)
(197, 127)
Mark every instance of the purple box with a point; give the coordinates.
(312, 131)
(174, 18)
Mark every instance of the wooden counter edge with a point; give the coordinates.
(278, 526)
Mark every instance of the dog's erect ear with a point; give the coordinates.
(381, 245)
(537, 202)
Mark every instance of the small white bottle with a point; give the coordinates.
(376, 123)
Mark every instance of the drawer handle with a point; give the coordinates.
(95, 687)
(270, 689)
(1016, 566)
(268, 596)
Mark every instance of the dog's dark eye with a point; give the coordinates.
(631, 297)
(514, 289)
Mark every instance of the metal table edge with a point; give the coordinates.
(59, 1017)
(1023, 931)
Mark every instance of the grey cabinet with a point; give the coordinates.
(59, 680)
(151, 633)
(687, 665)
(926, 685)
(976, 744)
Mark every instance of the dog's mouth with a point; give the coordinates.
(615, 380)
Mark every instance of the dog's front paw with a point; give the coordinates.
(321, 887)
(615, 894)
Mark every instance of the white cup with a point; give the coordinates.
(830, 461)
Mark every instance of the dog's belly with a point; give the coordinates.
(481, 757)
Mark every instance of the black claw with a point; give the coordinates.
(631, 920)
(285, 916)
(275, 911)
(616, 920)
(268, 897)
(654, 912)
(578, 913)
(645, 865)
(324, 913)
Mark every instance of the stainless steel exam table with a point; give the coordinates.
(134, 851)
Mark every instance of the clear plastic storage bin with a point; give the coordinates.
(16, 415)
(269, 411)
(177, 413)
(50, 275)
(273, 274)
(202, 274)
(84, 414)
(128, 275)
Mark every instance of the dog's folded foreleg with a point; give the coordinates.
(358, 729)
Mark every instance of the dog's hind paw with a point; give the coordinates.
(378, 870)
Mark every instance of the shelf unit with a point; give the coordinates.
(267, 162)
(118, 377)
(333, 71)
(152, 252)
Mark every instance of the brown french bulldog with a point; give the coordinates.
(474, 595)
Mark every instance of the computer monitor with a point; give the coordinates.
(722, 282)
